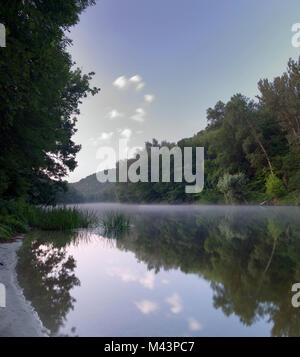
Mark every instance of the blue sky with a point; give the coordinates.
(188, 54)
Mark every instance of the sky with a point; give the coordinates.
(161, 64)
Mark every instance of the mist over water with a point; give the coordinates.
(179, 271)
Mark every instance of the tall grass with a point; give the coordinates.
(61, 218)
(115, 223)
(17, 217)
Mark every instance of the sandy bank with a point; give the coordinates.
(17, 319)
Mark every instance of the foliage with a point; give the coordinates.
(274, 186)
(40, 91)
(232, 186)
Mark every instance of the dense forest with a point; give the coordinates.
(252, 153)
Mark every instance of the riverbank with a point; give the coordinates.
(17, 319)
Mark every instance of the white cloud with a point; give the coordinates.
(126, 133)
(149, 98)
(147, 306)
(105, 136)
(140, 86)
(148, 280)
(113, 114)
(136, 79)
(120, 82)
(139, 115)
(175, 302)
(194, 325)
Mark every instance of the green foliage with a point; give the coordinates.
(232, 186)
(274, 186)
(61, 218)
(40, 91)
(17, 217)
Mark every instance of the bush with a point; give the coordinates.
(232, 186)
(274, 187)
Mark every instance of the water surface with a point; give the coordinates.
(180, 271)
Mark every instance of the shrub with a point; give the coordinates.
(232, 186)
(274, 186)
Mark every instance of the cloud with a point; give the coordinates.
(126, 133)
(120, 82)
(140, 86)
(113, 114)
(105, 136)
(148, 280)
(175, 302)
(136, 79)
(149, 98)
(194, 325)
(139, 115)
(147, 306)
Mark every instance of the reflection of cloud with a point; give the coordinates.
(194, 325)
(148, 280)
(175, 302)
(113, 114)
(165, 281)
(149, 98)
(139, 115)
(120, 82)
(147, 306)
(125, 275)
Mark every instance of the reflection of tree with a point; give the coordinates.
(45, 273)
(251, 258)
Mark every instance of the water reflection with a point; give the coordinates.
(250, 257)
(45, 272)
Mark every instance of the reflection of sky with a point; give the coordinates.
(118, 296)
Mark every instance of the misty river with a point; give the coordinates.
(179, 271)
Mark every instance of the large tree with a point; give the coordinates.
(40, 91)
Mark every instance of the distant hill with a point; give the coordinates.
(88, 189)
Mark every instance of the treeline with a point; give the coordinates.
(252, 151)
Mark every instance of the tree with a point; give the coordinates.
(40, 91)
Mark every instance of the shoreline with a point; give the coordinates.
(18, 318)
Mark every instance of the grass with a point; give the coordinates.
(61, 218)
(115, 223)
(18, 217)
